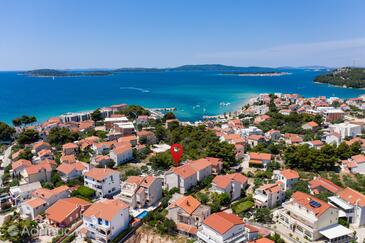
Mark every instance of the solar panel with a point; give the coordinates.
(314, 204)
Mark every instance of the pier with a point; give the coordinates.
(163, 109)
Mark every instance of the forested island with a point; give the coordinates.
(58, 73)
(255, 74)
(347, 77)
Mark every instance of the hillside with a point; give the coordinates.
(346, 77)
(58, 73)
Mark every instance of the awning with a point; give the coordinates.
(334, 231)
(344, 205)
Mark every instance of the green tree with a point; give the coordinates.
(24, 120)
(263, 215)
(96, 115)
(169, 116)
(59, 136)
(162, 161)
(28, 136)
(6, 132)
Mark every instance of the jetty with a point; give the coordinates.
(163, 109)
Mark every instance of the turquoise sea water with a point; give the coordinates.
(194, 94)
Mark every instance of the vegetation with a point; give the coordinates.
(28, 136)
(301, 186)
(6, 132)
(96, 115)
(17, 230)
(133, 111)
(242, 206)
(349, 77)
(24, 120)
(263, 215)
(84, 193)
(276, 238)
(58, 136)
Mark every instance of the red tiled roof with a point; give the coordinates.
(322, 182)
(222, 221)
(352, 196)
(289, 174)
(260, 156)
(304, 200)
(105, 209)
(184, 171)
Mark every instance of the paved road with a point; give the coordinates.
(6, 162)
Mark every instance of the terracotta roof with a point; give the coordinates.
(262, 240)
(61, 209)
(187, 228)
(316, 142)
(222, 221)
(360, 158)
(100, 173)
(148, 180)
(270, 188)
(68, 159)
(289, 174)
(255, 137)
(188, 204)
(135, 180)
(221, 181)
(70, 146)
(352, 196)
(200, 164)
(34, 169)
(312, 124)
(260, 156)
(214, 161)
(251, 228)
(47, 193)
(67, 168)
(106, 209)
(35, 202)
(184, 171)
(304, 200)
(122, 149)
(238, 177)
(19, 163)
(322, 182)
(41, 143)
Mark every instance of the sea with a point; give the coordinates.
(193, 93)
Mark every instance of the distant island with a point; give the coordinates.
(58, 73)
(346, 77)
(255, 74)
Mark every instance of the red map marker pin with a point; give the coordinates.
(176, 151)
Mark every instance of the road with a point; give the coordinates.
(6, 162)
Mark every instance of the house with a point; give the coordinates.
(130, 140)
(232, 184)
(313, 219)
(105, 181)
(68, 159)
(356, 164)
(41, 172)
(67, 211)
(232, 139)
(333, 138)
(18, 166)
(86, 125)
(345, 129)
(124, 128)
(254, 139)
(42, 199)
(105, 219)
(142, 120)
(273, 135)
(259, 159)
(101, 160)
(222, 227)
(183, 177)
(291, 138)
(141, 191)
(262, 240)
(38, 146)
(319, 185)
(44, 154)
(261, 118)
(202, 167)
(310, 125)
(69, 148)
(71, 171)
(315, 144)
(216, 163)
(269, 195)
(287, 178)
(103, 147)
(187, 213)
(19, 194)
(146, 137)
(351, 204)
(110, 121)
(121, 154)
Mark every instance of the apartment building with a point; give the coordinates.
(105, 181)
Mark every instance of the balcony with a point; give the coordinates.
(237, 238)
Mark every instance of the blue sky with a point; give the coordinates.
(163, 33)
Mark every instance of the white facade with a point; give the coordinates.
(107, 187)
(346, 129)
(121, 158)
(234, 235)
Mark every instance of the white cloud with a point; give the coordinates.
(330, 53)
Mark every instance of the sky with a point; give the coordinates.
(81, 34)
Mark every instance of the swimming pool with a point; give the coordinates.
(142, 214)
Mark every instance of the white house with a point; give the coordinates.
(71, 171)
(222, 227)
(105, 219)
(345, 129)
(121, 154)
(287, 178)
(24, 192)
(311, 218)
(105, 181)
(232, 184)
(202, 167)
(351, 204)
(269, 195)
(183, 177)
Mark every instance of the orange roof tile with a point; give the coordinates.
(352, 196)
(188, 204)
(200, 164)
(260, 156)
(304, 199)
(100, 173)
(19, 163)
(122, 149)
(222, 222)
(262, 240)
(238, 177)
(106, 209)
(35, 202)
(360, 158)
(68, 168)
(290, 174)
(61, 209)
(322, 182)
(221, 181)
(187, 228)
(70, 146)
(184, 171)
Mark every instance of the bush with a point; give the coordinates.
(84, 192)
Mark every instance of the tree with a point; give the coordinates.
(263, 215)
(6, 132)
(276, 238)
(96, 115)
(169, 116)
(300, 185)
(17, 230)
(24, 120)
(28, 136)
(161, 161)
(59, 136)
(84, 192)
